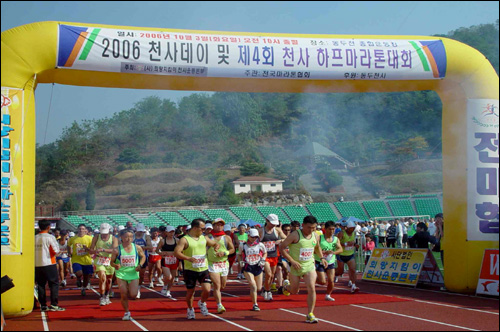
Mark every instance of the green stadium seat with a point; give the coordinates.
(190, 215)
(376, 209)
(267, 210)
(401, 208)
(322, 211)
(296, 213)
(351, 209)
(219, 213)
(430, 206)
(245, 213)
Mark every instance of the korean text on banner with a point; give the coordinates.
(488, 278)
(238, 56)
(11, 164)
(482, 170)
(396, 266)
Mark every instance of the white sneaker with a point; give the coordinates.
(203, 308)
(354, 289)
(64, 283)
(269, 296)
(168, 295)
(329, 298)
(191, 314)
(349, 284)
(151, 285)
(126, 316)
(160, 283)
(138, 294)
(102, 301)
(89, 286)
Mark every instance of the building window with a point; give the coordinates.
(243, 185)
(273, 184)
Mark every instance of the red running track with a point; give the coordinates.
(376, 307)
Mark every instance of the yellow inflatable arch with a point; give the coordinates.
(145, 58)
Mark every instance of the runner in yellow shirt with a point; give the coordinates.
(79, 250)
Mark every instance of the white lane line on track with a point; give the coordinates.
(417, 318)
(426, 302)
(139, 325)
(152, 290)
(322, 320)
(229, 322)
(44, 322)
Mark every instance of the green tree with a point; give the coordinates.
(129, 156)
(70, 204)
(227, 195)
(253, 168)
(90, 197)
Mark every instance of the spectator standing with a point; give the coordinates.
(46, 248)
(422, 238)
(391, 235)
(368, 248)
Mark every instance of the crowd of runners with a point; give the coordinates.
(273, 258)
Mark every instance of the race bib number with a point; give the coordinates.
(127, 261)
(306, 254)
(253, 259)
(328, 257)
(348, 246)
(219, 267)
(170, 260)
(270, 246)
(200, 262)
(80, 251)
(104, 261)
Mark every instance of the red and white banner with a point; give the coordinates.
(488, 279)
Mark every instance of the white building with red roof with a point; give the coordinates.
(249, 184)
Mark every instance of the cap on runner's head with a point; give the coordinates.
(273, 219)
(227, 228)
(209, 226)
(244, 225)
(71, 234)
(218, 220)
(121, 228)
(170, 229)
(140, 227)
(253, 233)
(105, 228)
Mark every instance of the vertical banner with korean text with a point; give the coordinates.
(490, 270)
(482, 170)
(11, 164)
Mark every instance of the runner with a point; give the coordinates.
(240, 238)
(252, 257)
(331, 247)
(154, 260)
(79, 247)
(303, 244)
(283, 265)
(144, 241)
(63, 262)
(218, 264)
(347, 239)
(169, 262)
(192, 248)
(127, 261)
(232, 257)
(270, 236)
(103, 245)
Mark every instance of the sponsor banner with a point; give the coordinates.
(482, 170)
(11, 164)
(488, 278)
(395, 266)
(238, 56)
(431, 274)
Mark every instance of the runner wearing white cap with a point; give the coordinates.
(154, 259)
(252, 257)
(169, 263)
(347, 239)
(271, 236)
(240, 238)
(102, 246)
(218, 264)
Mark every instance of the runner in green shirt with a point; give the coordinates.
(127, 261)
(302, 245)
(192, 249)
(330, 245)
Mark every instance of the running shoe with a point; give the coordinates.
(89, 286)
(72, 275)
(126, 316)
(269, 296)
(108, 301)
(221, 309)
(44, 308)
(151, 285)
(286, 284)
(336, 279)
(273, 288)
(102, 301)
(138, 294)
(203, 308)
(78, 283)
(56, 308)
(191, 314)
(311, 319)
(329, 298)
(160, 283)
(83, 292)
(255, 308)
(163, 292)
(354, 288)
(349, 284)
(168, 295)
(63, 283)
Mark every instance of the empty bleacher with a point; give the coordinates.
(322, 211)
(267, 210)
(219, 213)
(190, 215)
(351, 209)
(401, 208)
(296, 212)
(376, 209)
(245, 213)
(429, 206)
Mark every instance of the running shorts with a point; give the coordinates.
(321, 268)
(256, 270)
(345, 259)
(65, 260)
(153, 259)
(191, 277)
(273, 261)
(86, 269)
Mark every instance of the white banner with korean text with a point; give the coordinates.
(238, 56)
(482, 170)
